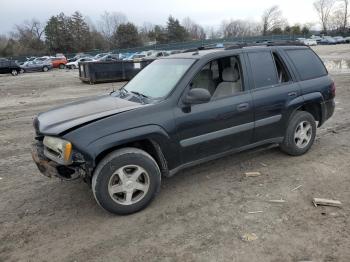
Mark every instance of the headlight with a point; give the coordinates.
(58, 150)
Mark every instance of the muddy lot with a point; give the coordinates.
(199, 215)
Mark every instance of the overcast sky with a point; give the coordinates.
(204, 12)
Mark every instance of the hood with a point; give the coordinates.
(68, 116)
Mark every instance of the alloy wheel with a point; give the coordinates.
(128, 185)
(303, 134)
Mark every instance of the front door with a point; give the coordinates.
(222, 124)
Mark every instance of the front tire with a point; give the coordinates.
(45, 69)
(14, 72)
(126, 181)
(61, 66)
(300, 134)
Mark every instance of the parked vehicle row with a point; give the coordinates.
(329, 40)
(75, 64)
(307, 41)
(46, 63)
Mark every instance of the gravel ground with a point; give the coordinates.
(201, 214)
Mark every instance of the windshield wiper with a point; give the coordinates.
(139, 94)
(123, 90)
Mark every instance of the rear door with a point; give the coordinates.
(273, 88)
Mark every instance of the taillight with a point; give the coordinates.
(333, 90)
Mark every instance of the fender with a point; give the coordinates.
(150, 132)
(291, 107)
(315, 98)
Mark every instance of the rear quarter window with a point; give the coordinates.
(307, 63)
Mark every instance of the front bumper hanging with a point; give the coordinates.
(50, 168)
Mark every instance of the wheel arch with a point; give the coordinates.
(152, 139)
(311, 103)
(148, 145)
(315, 109)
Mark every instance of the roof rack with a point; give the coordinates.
(206, 47)
(265, 43)
(286, 43)
(239, 45)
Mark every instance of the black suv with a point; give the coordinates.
(9, 67)
(181, 111)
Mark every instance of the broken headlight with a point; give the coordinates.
(58, 150)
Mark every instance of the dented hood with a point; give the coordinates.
(63, 118)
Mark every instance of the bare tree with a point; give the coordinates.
(324, 10)
(37, 28)
(30, 28)
(336, 20)
(346, 13)
(237, 28)
(341, 15)
(145, 31)
(3, 43)
(195, 31)
(109, 23)
(212, 33)
(272, 18)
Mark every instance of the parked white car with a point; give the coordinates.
(75, 64)
(308, 41)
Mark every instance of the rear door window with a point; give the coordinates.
(307, 63)
(282, 71)
(263, 69)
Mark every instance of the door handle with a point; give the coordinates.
(292, 94)
(243, 107)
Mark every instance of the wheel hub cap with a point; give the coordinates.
(128, 185)
(303, 134)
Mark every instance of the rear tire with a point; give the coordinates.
(14, 72)
(61, 66)
(126, 181)
(45, 69)
(300, 134)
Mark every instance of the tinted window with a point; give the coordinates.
(307, 63)
(263, 68)
(282, 72)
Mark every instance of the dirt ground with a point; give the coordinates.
(200, 214)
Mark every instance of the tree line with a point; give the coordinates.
(76, 33)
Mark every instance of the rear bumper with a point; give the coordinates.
(327, 110)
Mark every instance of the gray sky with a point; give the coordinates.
(204, 12)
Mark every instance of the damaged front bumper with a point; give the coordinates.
(50, 168)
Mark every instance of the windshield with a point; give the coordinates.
(159, 77)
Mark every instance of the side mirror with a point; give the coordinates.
(197, 96)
